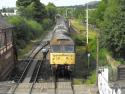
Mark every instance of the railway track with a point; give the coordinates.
(64, 86)
(27, 83)
(35, 76)
(29, 69)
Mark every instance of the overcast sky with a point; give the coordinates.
(12, 3)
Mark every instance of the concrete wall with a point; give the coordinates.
(6, 63)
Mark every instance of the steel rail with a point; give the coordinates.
(28, 65)
(36, 76)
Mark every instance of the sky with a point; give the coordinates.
(12, 3)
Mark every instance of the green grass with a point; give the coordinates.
(81, 61)
(77, 25)
(80, 49)
(91, 79)
(105, 56)
(23, 52)
(78, 81)
(82, 29)
(29, 46)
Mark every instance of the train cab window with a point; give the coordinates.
(56, 48)
(68, 48)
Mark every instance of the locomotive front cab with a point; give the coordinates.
(62, 58)
(62, 51)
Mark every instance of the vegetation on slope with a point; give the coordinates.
(110, 18)
(82, 70)
(33, 20)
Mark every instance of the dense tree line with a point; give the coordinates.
(110, 18)
(34, 9)
(25, 30)
(73, 11)
(33, 19)
(79, 12)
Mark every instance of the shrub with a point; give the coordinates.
(35, 27)
(25, 30)
(47, 23)
(92, 78)
(79, 40)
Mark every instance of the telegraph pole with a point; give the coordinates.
(87, 40)
(66, 13)
(97, 56)
(87, 25)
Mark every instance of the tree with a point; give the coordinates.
(23, 3)
(51, 11)
(33, 9)
(113, 28)
(97, 16)
(37, 10)
(79, 12)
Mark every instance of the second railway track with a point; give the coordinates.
(29, 69)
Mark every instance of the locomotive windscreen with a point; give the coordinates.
(62, 48)
(68, 48)
(56, 48)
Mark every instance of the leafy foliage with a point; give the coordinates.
(79, 12)
(92, 78)
(47, 23)
(97, 16)
(25, 30)
(51, 11)
(32, 9)
(79, 40)
(113, 28)
(76, 12)
(110, 18)
(34, 18)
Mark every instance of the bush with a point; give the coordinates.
(47, 23)
(35, 27)
(79, 40)
(92, 78)
(25, 30)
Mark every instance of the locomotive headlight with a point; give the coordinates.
(67, 58)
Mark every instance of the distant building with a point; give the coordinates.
(8, 11)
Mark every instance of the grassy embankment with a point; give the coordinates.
(27, 33)
(85, 75)
(82, 73)
(24, 52)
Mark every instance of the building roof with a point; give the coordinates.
(4, 24)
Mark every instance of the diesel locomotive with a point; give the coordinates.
(62, 49)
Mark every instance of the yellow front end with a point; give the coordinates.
(62, 58)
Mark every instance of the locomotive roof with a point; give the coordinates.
(4, 24)
(62, 36)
